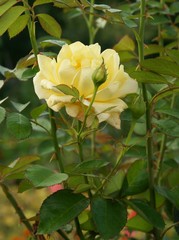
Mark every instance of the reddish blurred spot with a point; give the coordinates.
(55, 188)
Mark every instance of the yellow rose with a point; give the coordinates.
(75, 66)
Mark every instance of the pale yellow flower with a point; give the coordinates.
(74, 66)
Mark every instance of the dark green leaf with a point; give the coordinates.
(50, 25)
(148, 77)
(18, 125)
(18, 26)
(147, 213)
(161, 66)
(59, 209)
(171, 194)
(41, 176)
(109, 216)
(19, 106)
(167, 126)
(9, 17)
(2, 114)
(136, 179)
(174, 7)
(24, 186)
(160, 19)
(170, 112)
(29, 73)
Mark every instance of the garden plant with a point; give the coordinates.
(101, 124)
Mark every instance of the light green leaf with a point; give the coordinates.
(147, 213)
(9, 17)
(90, 165)
(101, 6)
(82, 188)
(18, 26)
(152, 49)
(125, 44)
(2, 114)
(1, 83)
(51, 42)
(71, 3)
(18, 125)
(161, 66)
(24, 186)
(174, 55)
(19, 106)
(68, 91)
(50, 25)
(41, 176)
(139, 224)
(6, 6)
(36, 112)
(109, 216)
(148, 77)
(59, 209)
(115, 183)
(40, 2)
(26, 61)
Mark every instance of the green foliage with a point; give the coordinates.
(46, 177)
(59, 209)
(105, 173)
(109, 216)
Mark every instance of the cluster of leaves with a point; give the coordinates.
(126, 187)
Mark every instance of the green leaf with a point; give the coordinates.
(71, 3)
(19, 165)
(174, 7)
(24, 186)
(161, 66)
(36, 112)
(174, 55)
(50, 25)
(125, 44)
(147, 213)
(152, 49)
(51, 42)
(115, 183)
(82, 188)
(137, 178)
(41, 176)
(68, 90)
(59, 209)
(109, 216)
(170, 112)
(19, 106)
(2, 114)
(148, 77)
(18, 26)
(6, 6)
(29, 73)
(26, 61)
(9, 17)
(18, 125)
(90, 165)
(160, 19)
(171, 194)
(40, 2)
(1, 83)
(139, 224)
(168, 126)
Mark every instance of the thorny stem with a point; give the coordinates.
(91, 27)
(19, 211)
(55, 140)
(149, 146)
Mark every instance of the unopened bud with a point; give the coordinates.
(99, 75)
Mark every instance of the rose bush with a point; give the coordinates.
(74, 66)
